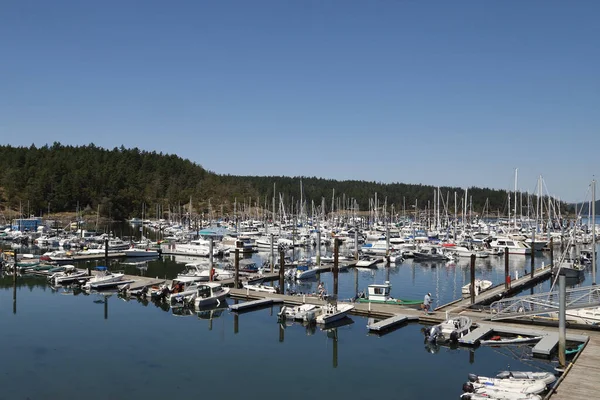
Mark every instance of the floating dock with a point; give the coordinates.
(391, 322)
(249, 305)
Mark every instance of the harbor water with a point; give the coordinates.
(58, 345)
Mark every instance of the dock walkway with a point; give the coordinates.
(499, 291)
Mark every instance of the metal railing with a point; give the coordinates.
(544, 303)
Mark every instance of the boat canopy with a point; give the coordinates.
(100, 268)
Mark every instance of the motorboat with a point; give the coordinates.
(380, 293)
(298, 312)
(257, 287)
(429, 253)
(368, 262)
(547, 377)
(514, 246)
(450, 330)
(136, 252)
(510, 385)
(306, 271)
(103, 279)
(333, 312)
(209, 293)
(480, 286)
(181, 290)
(462, 251)
(69, 275)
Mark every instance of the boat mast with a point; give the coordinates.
(516, 182)
(593, 231)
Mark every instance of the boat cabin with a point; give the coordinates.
(208, 290)
(379, 292)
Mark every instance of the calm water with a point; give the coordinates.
(57, 345)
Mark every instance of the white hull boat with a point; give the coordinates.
(329, 313)
(480, 286)
(449, 330)
(515, 340)
(546, 377)
(103, 279)
(526, 386)
(256, 287)
(505, 393)
(209, 293)
(500, 396)
(147, 253)
(298, 312)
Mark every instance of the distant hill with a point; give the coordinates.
(118, 181)
(584, 208)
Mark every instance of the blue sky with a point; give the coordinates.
(455, 93)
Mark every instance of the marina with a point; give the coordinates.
(330, 298)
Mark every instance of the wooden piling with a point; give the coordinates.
(472, 288)
(506, 270)
(281, 272)
(236, 263)
(336, 267)
(532, 254)
(106, 253)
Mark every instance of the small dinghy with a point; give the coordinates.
(511, 385)
(498, 340)
(546, 377)
(493, 392)
(501, 396)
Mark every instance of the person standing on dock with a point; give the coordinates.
(427, 302)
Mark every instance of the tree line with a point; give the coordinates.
(118, 182)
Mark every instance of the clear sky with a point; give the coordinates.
(453, 93)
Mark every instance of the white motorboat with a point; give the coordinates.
(514, 246)
(526, 386)
(450, 330)
(70, 274)
(209, 293)
(297, 312)
(135, 252)
(306, 271)
(547, 377)
(328, 313)
(368, 262)
(480, 286)
(256, 287)
(103, 278)
(462, 251)
(181, 290)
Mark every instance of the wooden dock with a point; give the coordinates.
(582, 377)
(499, 292)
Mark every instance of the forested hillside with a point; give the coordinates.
(119, 181)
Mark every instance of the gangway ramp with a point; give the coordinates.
(544, 303)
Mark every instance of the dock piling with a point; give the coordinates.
(281, 271)
(562, 316)
(236, 263)
(551, 252)
(106, 253)
(472, 287)
(272, 254)
(533, 254)
(211, 260)
(506, 270)
(336, 267)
